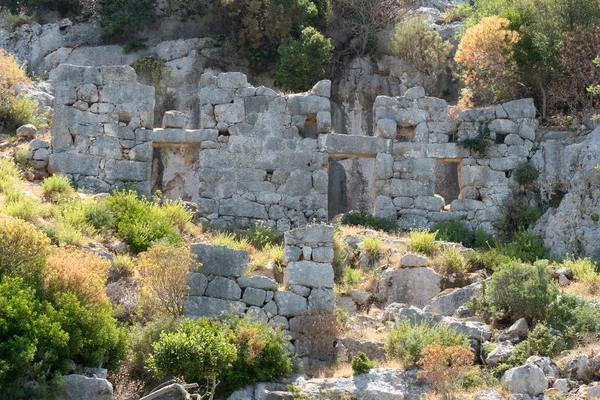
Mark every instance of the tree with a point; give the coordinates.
(486, 55)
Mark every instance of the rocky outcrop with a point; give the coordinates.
(79, 387)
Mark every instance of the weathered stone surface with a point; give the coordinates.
(197, 284)
(69, 163)
(199, 306)
(548, 366)
(384, 208)
(322, 88)
(500, 354)
(372, 348)
(223, 288)
(232, 80)
(527, 379)
(78, 387)
(578, 368)
(321, 300)
(242, 208)
(309, 235)
(447, 302)
(322, 254)
(489, 394)
(290, 304)
(413, 286)
(387, 129)
(254, 297)
(310, 274)
(359, 145)
(220, 260)
(413, 260)
(414, 93)
(27, 131)
(523, 108)
(258, 282)
(174, 119)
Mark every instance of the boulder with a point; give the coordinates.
(174, 119)
(472, 329)
(79, 387)
(413, 286)
(578, 368)
(414, 93)
(27, 132)
(519, 329)
(448, 302)
(258, 282)
(548, 366)
(372, 348)
(527, 379)
(500, 354)
(322, 88)
(413, 260)
(290, 304)
(223, 288)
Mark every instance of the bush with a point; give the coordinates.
(57, 189)
(486, 260)
(574, 317)
(454, 231)
(302, 61)
(442, 367)
(525, 173)
(483, 240)
(99, 215)
(361, 364)
(22, 157)
(352, 277)
(82, 272)
(518, 291)
(23, 249)
(372, 246)
(198, 350)
(407, 341)
(453, 261)
(540, 342)
(262, 354)
(486, 56)
(262, 235)
(141, 223)
(459, 13)
(22, 205)
(525, 246)
(423, 241)
(584, 270)
(9, 176)
(12, 104)
(163, 270)
(421, 46)
(123, 19)
(232, 241)
(480, 143)
(360, 218)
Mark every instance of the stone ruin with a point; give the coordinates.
(258, 155)
(221, 285)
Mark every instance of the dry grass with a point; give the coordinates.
(580, 289)
(335, 370)
(370, 334)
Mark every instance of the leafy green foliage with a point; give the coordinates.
(525, 246)
(407, 341)
(525, 173)
(352, 276)
(302, 61)
(123, 19)
(262, 235)
(480, 143)
(423, 241)
(574, 317)
(57, 189)
(372, 246)
(361, 364)
(453, 261)
(361, 218)
(454, 231)
(517, 291)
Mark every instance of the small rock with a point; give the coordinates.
(28, 131)
(562, 385)
(518, 329)
(563, 280)
(361, 298)
(490, 394)
(414, 93)
(528, 379)
(413, 260)
(500, 354)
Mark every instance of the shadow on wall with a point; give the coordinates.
(351, 185)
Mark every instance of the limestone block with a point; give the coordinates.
(414, 93)
(106, 147)
(504, 163)
(265, 91)
(196, 284)
(320, 181)
(207, 116)
(279, 321)
(446, 150)
(300, 290)
(223, 288)
(257, 314)
(82, 387)
(199, 306)
(386, 128)
(323, 121)
(472, 329)
(232, 80)
(220, 260)
(309, 235)
(384, 208)
(230, 113)
(129, 171)
(27, 131)
(403, 202)
(38, 144)
(503, 126)
(322, 254)
(413, 286)
(254, 297)
(321, 300)
(527, 379)
(466, 205)
(290, 304)
(421, 134)
(413, 260)
(410, 188)
(88, 92)
(500, 113)
(41, 154)
(258, 282)
(513, 140)
(406, 222)
(306, 104)
(299, 183)
(270, 308)
(102, 108)
(523, 108)
(69, 163)
(322, 88)
(481, 176)
(349, 144)
(174, 119)
(142, 152)
(384, 166)
(431, 203)
(447, 302)
(409, 150)
(527, 132)
(310, 274)
(307, 252)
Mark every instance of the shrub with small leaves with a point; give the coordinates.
(361, 218)
(57, 189)
(361, 364)
(454, 231)
(423, 241)
(525, 173)
(442, 366)
(453, 261)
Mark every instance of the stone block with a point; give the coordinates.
(290, 304)
(384, 166)
(230, 113)
(70, 163)
(410, 188)
(242, 208)
(322, 254)
(334, 143)
(306, 104)
(321, 300)
(199, 306)
(384, 208)
(223, 288)
(320, 181)
(446, 150)
(174, 119)
(386, 128)
(527, 379)
(106, 147)
(220, 260)
(310, 274)
(430, 203)
(196, 284)
(322, 88)
(414, 93)
(523, 108)
(309, 235)
(413, 260)
(503, 126)
(254, 297)
(323, 121)
(82, 387)
(258, 282)
(232, 80)
(413, 286)
(129, 171)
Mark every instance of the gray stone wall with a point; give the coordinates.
(425, 136)
(220, 285)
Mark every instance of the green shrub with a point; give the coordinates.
(406, 341)
(459, 13)
(423, 241)
(416, 42)
(574, 317)
(140, 222)
(18, 18)
(9, 175)
(24, 111)
(141, 338)
(232, 241)
(24, 206)
(540, 342)
(483, 240)
(99, 215)
(361, 364)
(198, 350)
(454, 231)
(486, 260)
(262, 354)
(22, 156)
(518, 291)
(479, 144)
(262, 235)
(340, 255)
(584, 270)
(352, 277)
(123, 19)
(23, 249)
(57, 189)
(525, 173)
(525, 246)
(453, 260)
(360, 218)
(302, 62)
(372, 246)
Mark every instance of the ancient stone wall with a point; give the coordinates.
(429, 177)
(220, 285)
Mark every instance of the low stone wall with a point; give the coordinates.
(220, 285)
